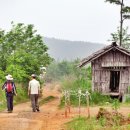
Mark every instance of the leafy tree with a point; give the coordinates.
(22, 51)
(125, 37)
(124, 14)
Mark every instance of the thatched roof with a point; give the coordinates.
(101, 52)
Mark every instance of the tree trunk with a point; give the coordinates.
(121, 22)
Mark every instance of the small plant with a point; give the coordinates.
(45, 100)
(81, 123)
(116, 120)
(102, 121)
(115, 105)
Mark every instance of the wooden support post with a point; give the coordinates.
(65, 103)
(88, 110)
(69, 103)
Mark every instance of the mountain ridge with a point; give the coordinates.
(70, 50)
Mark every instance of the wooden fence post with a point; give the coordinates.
(87, 98)
(79, 95)
(65, 93)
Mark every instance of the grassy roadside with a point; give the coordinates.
(20, 98)
(45, 100)
(82, 123)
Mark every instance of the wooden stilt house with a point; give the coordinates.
(110, 69)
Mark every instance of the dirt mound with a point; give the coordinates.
(111, 118)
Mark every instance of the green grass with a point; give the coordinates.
(22, 95)
(72, 84)
(95, 99)
(45, 100)
(82, 123)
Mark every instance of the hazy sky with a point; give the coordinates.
(82, 20)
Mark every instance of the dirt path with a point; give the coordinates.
(49, 117)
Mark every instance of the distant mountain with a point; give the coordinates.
(70, 50)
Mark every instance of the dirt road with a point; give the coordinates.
(49, 117)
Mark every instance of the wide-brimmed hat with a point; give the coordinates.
(9, 77)
(33, 75)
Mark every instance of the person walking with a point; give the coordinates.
(33, 92)
(10, 90)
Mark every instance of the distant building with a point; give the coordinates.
(110, 70)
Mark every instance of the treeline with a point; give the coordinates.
(22, 52)
(69, 75)
(59, 71)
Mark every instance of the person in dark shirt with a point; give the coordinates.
(10, 91)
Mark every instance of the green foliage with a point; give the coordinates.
(2, 100)
(22, 95)
(81, 78)
(125, 37)
(118, 2)
(99, 99)
(124, 15)
(45, 100)
(57, 71)
(72, 85)
(125, 10)
(115, 104)
(22, 52)
(82, 123)
(127, 97)
(102, 121)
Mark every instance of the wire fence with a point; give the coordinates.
(67, 95)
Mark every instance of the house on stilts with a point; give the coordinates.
(110, 70)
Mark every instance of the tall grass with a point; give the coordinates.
(2, 100)
(73, 84)
(72, 79)
(82, 123)
(99, 99)
(22, 95)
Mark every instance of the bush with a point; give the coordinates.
(73, 85)
(99, 99)
(22, 95)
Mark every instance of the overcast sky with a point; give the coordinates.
(82, 20)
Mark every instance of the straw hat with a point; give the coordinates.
(9, 77)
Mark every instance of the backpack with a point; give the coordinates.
(9, 87)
